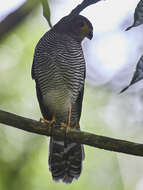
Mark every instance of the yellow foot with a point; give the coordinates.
(47, 121)
(44, 120)
(76, 126)
(53, 120)
(64, 125)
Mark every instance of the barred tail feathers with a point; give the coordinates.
(65, 162)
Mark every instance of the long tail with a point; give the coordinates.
(65, 162)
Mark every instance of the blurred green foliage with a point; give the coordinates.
(46, 11)
(24, 156)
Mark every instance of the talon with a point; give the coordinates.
(63, 125)
(76, 126)
(47, 121)
(53, 120)
(67, 127)
(44, 120)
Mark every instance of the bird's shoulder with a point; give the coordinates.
(52, 47)
(53, 40)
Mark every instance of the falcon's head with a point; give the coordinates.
(81, 27)
(78, 27)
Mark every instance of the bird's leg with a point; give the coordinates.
(76, 126)
(69, 119)
(64, 125)
(44, 120)
(53, 119)
(48, 121)
(67, 126)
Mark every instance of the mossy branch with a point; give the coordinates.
(73, 135)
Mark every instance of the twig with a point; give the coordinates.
(73, 135)
(16, 17)
(74, 12)
(82, 6)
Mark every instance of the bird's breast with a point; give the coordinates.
(58, 100)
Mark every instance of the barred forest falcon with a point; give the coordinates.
(59, 72)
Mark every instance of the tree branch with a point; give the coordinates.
(76, 11)
(73, 135)
(82, 6)
(17, 16)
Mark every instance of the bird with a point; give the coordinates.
(59, 71)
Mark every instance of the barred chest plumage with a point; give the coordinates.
(60, 70)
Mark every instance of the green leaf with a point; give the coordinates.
(46, 11)
(138, 74)
(138, 15)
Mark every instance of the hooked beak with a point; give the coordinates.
(90, 35)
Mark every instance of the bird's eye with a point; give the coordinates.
(81, 24)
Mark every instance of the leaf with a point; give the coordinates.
(138, 15)
(138, 74)
(46, 11)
